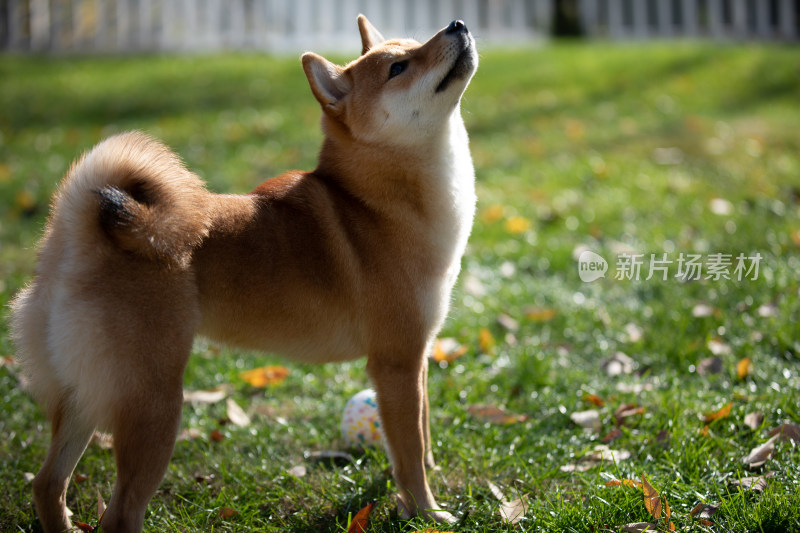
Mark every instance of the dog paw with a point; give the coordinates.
(431, 513)
(440, 517)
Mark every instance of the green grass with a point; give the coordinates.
(569, 137)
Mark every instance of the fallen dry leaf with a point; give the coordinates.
(754, 420)
(511, 512)
(104, 440)
(494, 414)
(724, 412)
(589, 419)
(617, 364)
(786, 432)
(84, 526)
(702, 310)
(743, 368)
(497, 492)
(633, 332)
(227, 512)
(189, 434)
(612, 435)
(514, 511)
(594, 400)
(755, 484)
(704, 510)
(28, 476)
(760, 454)
(600, 454)
(577, 467)
(626, 411)
(207, 396)
(540, 314)
(486, 341)
(360, 521)
(507, 322)
(216, 436)
(80, 478)
(493, 213)
(297, 471)
(448, 349)
(709, 365)
(719, 347)
(663, 438)
(101, 507)
(236, 414)
(265, 375)
(720, 206)
(638, 527)
(623, 482)
(770, 309)
(652, 499)
(517, 225)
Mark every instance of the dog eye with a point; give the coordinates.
(397, 68)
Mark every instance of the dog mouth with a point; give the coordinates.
(462, 67)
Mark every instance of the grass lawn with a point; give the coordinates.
(676, 149)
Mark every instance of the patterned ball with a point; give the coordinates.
(361, 426)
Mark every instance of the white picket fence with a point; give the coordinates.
(273, 25)
(717, 19)
(112, 26)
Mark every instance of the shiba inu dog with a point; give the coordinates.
(356, 258)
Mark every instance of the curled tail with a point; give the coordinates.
(133, 192)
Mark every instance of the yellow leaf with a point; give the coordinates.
(494, 415)
(493, 213)
(744, 367)
(652, 499)
(486, 341)
(575, 129)
(539, 314)
(25, 200)
(717, 415)
(101, 507)
(594, 399)
(447, 349)
(626, 482)
(517, 225)
(265, 375)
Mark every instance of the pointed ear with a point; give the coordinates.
(328, 82)
(370, 36)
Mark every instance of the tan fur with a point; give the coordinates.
(356, 258)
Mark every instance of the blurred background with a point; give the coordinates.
(104, 26)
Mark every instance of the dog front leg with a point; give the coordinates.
(401, 399)
(426, 423)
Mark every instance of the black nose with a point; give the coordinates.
(456, 26)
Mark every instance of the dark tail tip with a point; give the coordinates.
(116, 207)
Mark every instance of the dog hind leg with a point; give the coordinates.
(70, 437)
(426, 424)
(144, 437)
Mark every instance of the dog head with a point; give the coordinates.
(399, 92)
